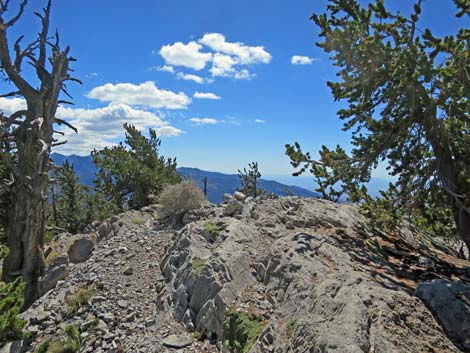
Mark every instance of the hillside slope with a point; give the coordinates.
(269, 275)
(217, 183)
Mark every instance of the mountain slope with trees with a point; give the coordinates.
(217, 183)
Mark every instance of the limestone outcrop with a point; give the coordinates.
(275, 275)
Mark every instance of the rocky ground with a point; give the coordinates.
(268, 275)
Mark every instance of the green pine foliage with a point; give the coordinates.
(249, 179)
(11, 301)
(334, 174)
(241, 331)
(69, 200)
(407, 103)
(132, 174)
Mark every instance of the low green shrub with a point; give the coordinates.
(69, 342)
(212, 229)
(138, 221)
(180, 197)
(241, 331)
(291, 326)
(78, 299)
(198, 265)
(11, 301)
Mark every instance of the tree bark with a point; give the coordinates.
(33, 138)
(464, 227)
(25, 234)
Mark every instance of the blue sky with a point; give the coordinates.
(158, 64)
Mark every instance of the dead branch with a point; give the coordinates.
(60, 122)
(59, 143)
(11, 94)
(18, 14)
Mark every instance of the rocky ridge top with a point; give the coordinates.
(266, 275)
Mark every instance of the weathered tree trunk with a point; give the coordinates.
(54, 205)
(25, 233)
(33, 139)
(447, 171)
(464, 227)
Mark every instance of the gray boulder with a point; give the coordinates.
(81, 250)
(177, 341)
(450, 303)
(13, 347)
(50, 279)
(227, 197)
(239, 196)
(233, 208)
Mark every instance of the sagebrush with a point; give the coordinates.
(181, 197)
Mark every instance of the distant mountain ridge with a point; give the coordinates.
(217, 183)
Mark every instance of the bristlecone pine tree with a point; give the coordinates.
(26, 138)
(132, 173)
(331, 178)
(249, 180)
(70, 199)
(407, 94)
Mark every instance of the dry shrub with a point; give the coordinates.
(180, 197)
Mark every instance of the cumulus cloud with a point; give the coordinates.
(145, 94)
(301, 60)
(10, 105)
(190, 77)
(168, 131)
(227, 58)
(187, 55)
(223, 65)
(244, 54)
(166, 68)
(260, 121)
(204, 121)
(103, 126)
(97, 127)
(206, 95)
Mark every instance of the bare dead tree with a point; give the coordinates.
(30, 134)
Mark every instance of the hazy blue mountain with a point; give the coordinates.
(83, 166)
(307, 182)
(217, 183)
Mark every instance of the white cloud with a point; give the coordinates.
(168, 131)
(260, 121)
(227, 58)
(245, 54)
(224, 66)
(145, 94)
(190, 77)
(166, 68)
(102, 127)
(202, 121)
(10, 105)
(97, 127)
(301, 60)
(206, 95)
(243, 74)
(187, 55)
